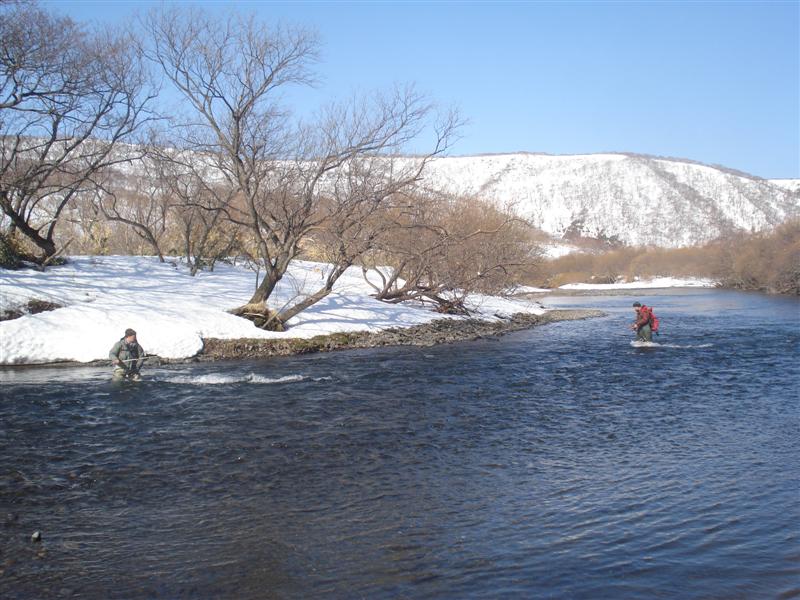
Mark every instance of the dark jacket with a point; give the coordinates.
(124, 351)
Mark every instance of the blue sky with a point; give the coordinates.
(717, 82)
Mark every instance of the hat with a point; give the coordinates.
(637, 303)
(129, 332)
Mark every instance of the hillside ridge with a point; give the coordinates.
(630, 198)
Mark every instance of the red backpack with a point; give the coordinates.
(653, 318)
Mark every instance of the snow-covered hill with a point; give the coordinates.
(635, 199)
(793, 185)
(629, 198)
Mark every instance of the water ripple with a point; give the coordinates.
(558, 462)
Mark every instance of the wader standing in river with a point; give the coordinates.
(644, 316)
(127, 356)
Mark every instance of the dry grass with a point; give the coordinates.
(767, 262)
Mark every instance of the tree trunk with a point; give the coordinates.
(260, 315)
(296, 309)
(264, 289)
(274, 273)
(46, 245)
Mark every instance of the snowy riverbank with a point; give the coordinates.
(174, 313)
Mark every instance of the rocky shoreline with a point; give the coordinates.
(441, 331)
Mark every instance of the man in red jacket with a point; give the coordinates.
(642, 325)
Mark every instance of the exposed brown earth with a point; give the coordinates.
(33, 307)
(442, 331)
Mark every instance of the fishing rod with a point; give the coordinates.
(135, 359)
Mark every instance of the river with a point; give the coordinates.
(558, 462)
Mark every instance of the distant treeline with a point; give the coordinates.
(766, 261)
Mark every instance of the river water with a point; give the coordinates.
(557, 462)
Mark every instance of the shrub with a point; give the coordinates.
(9, 254)
(765, 261)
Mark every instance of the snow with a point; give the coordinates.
(526, 289)
(556, 250)
(638, 200)
(658, 282)
(172, 312)
(793, 185)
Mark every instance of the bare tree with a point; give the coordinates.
(401, 266)
(139, 202)
(352, 173)
(290, 183)
(67, 99)
(442, 249)
(201, 205)
(83, 223)
(230, 73)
